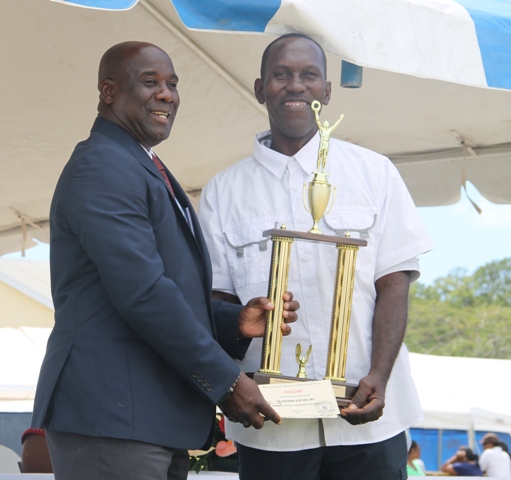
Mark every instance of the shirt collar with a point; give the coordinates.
(276, 162)
(149, 152)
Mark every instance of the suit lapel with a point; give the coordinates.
(196, 242)
(197, 236)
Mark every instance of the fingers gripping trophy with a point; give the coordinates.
(317, 194)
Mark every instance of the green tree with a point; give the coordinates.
(492, 283)
(463, 315)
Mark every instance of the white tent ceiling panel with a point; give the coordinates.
(48, 96)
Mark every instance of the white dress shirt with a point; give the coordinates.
(373, 203)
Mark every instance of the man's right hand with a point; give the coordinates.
(247, 405)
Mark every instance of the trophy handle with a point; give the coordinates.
(304, 198)
(331, 201)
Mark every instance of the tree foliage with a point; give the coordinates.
(463, 315)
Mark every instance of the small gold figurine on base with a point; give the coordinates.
(302, 361)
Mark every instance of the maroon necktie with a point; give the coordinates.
(160, 167)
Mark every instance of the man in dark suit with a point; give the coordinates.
(139, 355)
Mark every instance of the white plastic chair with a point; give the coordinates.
(9, 460)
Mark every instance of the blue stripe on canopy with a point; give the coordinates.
(251, 16)
(103, 4)
(492, 19)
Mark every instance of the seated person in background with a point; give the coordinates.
(415, 466)
(463, 464)
(35, 457)
(494, 461)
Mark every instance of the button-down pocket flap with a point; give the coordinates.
(248, 252)
(240, 247)
(355, 222)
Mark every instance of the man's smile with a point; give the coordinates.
(295, 103)
(163, 115)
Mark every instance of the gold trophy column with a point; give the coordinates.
(341, 313)
(280, 256)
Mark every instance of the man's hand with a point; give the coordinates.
(367, 404)
(247, 405)
(252, 322)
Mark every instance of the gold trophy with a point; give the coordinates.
(319, 194)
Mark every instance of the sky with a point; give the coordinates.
(463, 238)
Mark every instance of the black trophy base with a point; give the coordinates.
(344, 392)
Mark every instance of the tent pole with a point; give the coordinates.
(439, 451)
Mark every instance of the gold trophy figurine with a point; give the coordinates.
(325, 131)
(319, 190)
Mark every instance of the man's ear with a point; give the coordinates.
(106, 90)
(328, 91)
(258, 90)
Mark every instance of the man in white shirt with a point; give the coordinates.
(372, 203)
(494, 461)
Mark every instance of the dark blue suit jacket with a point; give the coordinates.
(135, 352)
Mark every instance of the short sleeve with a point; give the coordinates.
(401, 233)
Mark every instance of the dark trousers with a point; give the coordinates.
(376, 461)
(82, 457)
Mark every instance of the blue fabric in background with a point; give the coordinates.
(492, 19)
(235, 15)
(438, 445)
(104, 4)
(428, 443)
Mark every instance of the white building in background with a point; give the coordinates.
(26, 320)
(25, 295)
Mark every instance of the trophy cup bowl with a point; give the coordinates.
(319, 194)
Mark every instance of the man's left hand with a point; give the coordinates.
(367, 404)
(252, 322)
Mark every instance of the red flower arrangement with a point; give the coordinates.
(212, 459)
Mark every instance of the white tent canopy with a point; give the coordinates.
(426, 125)
(461, 393)
(21, 354)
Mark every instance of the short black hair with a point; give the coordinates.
(266, 52)
(471, 456)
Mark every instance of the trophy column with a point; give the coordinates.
(279, 273)
(340, 323)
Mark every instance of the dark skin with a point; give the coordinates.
(35, 457)
(295, 76)
(138, 92)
